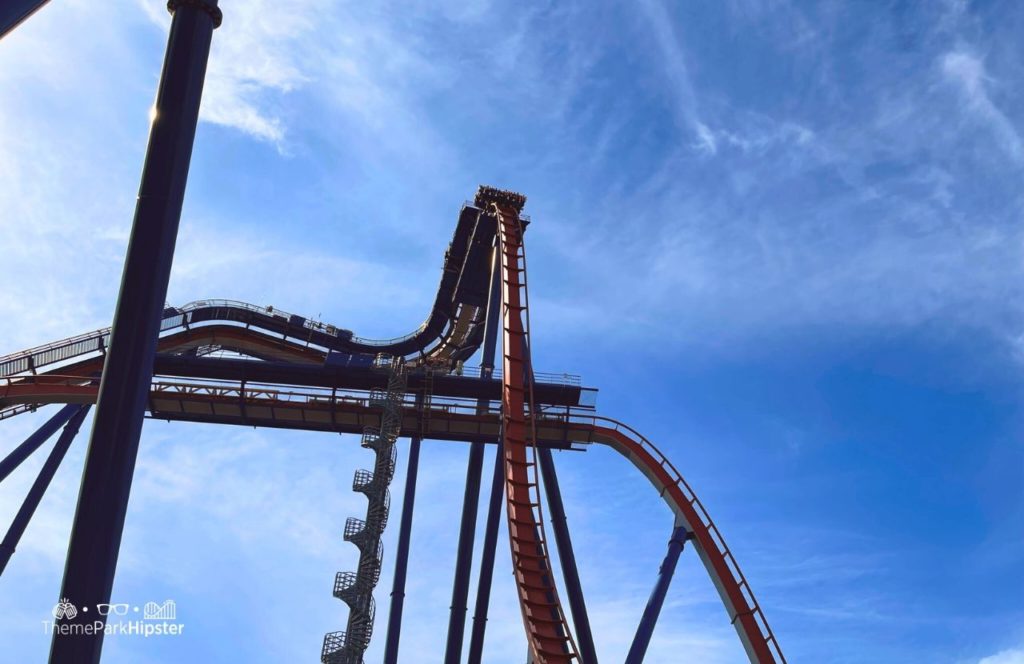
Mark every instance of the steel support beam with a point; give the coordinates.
(124, 386)
(490, 546)
(314, 375)
(33, 442)
(14, 12)
(402, 554)
(464, 556)
(573, 588)
(474, 469)
(38, 488)
(657, 599)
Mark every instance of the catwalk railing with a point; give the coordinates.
(356, 588)
(554, 426)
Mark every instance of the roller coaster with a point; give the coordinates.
(229, 362)
(232, 363)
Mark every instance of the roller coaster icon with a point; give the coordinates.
(232, 363)
(166, 611)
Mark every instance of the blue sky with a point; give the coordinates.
(784, 239)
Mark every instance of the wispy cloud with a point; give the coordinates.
(266, 53)
(673, 63)
(256, 57)
(966, 70)
(671, 59)
(848, 213)
(676, 201)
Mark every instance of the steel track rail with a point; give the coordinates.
(462, 420)
(452, 329)
(547, 629)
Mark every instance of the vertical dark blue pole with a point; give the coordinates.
(560, 526)
(483, 591)
(124, 386)
(13, 12)
(33, 442)
(657, 599)
(35, 493)
(402, 555)
(464, 555)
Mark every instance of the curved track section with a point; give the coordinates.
(744, 612)
(546, 627)
(452, 331)
(190, 341)
(321, 411)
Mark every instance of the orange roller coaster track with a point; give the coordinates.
(227, 362)
(230, 363)
(546, 627)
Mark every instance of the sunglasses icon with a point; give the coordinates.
(112, 609)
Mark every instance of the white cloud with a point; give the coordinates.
(367, 67)
(697, 265)
(754, 132)
(256, 53)
(673, 62)
(967, 71)
(1012, 656)
(229, 101)
(706, 141)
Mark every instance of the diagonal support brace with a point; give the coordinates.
(35, 493)
(33, 442)
(653, 609)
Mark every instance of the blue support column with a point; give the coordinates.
(127, 372)
(560, 527)
(13, 12)
(654, 604)
(35, 493)
(464, 555)
(471, 499)
(402, 556)
(483, 591)
(33, 442)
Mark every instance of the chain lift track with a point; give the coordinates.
(547, 629)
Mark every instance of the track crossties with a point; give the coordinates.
(228, 362)
(547, 629)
